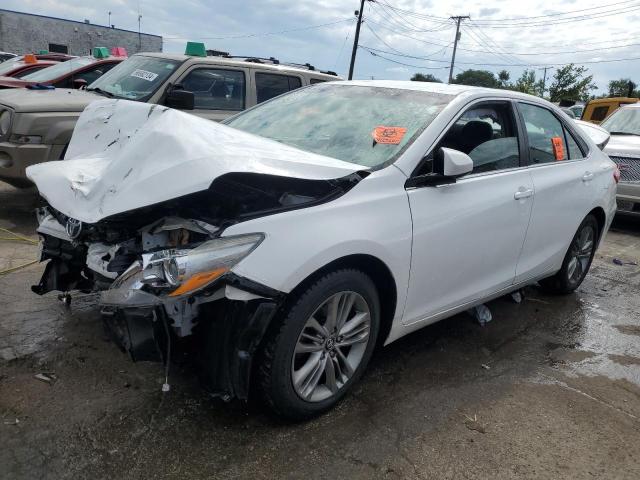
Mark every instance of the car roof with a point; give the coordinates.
(446, 89)
(239, 62)
(613, 100)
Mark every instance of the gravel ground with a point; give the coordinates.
(549, 389)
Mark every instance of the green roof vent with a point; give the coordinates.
(195, 49)
(100, 52)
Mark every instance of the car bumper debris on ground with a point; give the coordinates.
(549, 389)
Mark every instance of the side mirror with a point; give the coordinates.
(80, 83)
(451, 163)
(179, 98)
(448, 164)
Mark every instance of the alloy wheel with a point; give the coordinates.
(581, 251)
(331, 346)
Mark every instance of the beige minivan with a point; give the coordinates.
(36, 125)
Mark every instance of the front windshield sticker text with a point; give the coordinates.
(143, 74)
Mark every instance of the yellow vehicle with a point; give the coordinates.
(600, 108)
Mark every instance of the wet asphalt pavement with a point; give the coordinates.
(549, 389)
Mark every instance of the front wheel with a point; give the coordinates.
(322, 345)
(577, 261)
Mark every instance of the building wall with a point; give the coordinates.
(24, 33)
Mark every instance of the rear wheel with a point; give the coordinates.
(322, 346)
(577, 261)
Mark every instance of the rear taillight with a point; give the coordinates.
(616, 174)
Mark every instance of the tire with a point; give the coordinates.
(577, 260)
(335, 360)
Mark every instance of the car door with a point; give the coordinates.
(468, 235)
(218, 92)
(564, 189)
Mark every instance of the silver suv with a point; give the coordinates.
(36, 125)
(624, 149)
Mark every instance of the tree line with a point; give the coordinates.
(570, 82)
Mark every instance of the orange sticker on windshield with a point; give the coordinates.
(388, 135)
(558, 148)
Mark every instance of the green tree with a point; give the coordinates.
(571, 82)
(503, 79)
(425, 77)
(477, 78)
(621, 87)
(527, 83)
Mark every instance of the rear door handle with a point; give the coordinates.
(587, 177)
(520, 194)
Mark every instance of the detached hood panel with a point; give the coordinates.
(125, 155)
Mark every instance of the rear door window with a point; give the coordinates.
(269, 85)
(216, 89)
(545, 134)
(599, 113)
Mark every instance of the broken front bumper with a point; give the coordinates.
(227, 321)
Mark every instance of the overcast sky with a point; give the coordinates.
(492, 44)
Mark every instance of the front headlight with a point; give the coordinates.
(190, 270)
(5, 122)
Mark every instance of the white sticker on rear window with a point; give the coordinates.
(143, 74)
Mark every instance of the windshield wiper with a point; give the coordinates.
(624, 133)
(101, 92)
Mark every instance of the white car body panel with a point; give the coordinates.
(465, 249)
(447, 247)
(109, 169)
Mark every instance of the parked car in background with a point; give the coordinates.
(18, 67)
(624, 149)
(74, 73)
(577, 110)
(292, 239)
(41, 122)
(597, 110)
(4, 56)
(568, 111)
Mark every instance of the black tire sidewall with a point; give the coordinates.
(282, 392)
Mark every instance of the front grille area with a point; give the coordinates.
(629, 168)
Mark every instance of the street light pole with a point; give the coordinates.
(355, 40)
(458, 19)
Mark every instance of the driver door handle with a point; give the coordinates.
(520, 194)
(588, 176)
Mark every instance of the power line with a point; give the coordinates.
(400, 63)
(376, 50)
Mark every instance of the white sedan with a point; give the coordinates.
(292, 240)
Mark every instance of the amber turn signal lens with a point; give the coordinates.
(198, 280)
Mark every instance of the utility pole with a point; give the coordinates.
(544, 80)
(139, 36)
(458, 19)
(355, 40)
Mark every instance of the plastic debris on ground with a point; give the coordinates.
(617, 261)
(518, 296)
(49, 378)
(481, 313)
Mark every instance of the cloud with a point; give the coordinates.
(427, 32)
(487, 12)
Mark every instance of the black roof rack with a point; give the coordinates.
(275, 61)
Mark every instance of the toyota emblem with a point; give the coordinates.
(74, 228)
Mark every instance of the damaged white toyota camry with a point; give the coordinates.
(289, 242)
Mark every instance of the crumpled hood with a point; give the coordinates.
(125, 155)
(56, 100)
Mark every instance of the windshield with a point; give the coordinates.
(58, 70)
(358, 124)
(136, 78)
(8, 65)
(623, 121)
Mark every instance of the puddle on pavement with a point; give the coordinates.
(599, 345)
